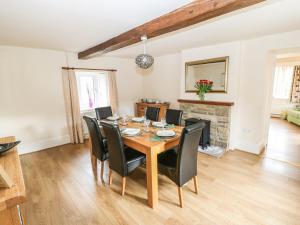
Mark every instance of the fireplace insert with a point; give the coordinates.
(205, 137)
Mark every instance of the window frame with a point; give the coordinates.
(96, 87)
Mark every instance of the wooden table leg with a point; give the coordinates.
(12, 216)
(152, 187)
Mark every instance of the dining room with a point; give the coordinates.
(143, 112)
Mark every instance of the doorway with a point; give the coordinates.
(284, 127)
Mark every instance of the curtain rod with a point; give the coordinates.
(74, 68)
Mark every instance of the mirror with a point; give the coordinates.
(215, 70)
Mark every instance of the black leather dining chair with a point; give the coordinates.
(103, 112)
(181, 166)
(152, 113)
(121, 160)
(174, 116)
(98, 144)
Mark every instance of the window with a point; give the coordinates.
(92, 89)
(283, 82)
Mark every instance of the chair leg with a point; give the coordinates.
(123, 185)
(180, 196)
(102, 171)
(94, 165)
(110, 177)
(196, 184)
(93, 159)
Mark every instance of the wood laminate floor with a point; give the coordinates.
(239, 188)
(284, 141)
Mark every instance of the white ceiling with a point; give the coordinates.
(273, 16)
(74, 25)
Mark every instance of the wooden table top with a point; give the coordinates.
(145, 140)
(10, 161)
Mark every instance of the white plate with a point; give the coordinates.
(138, 119)
(112, 118)
(157, 124)
(165, 133)
(131, 131)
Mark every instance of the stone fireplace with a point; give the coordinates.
(219, 113)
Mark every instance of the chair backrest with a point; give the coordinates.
(152, 113)
(117, 160)
(173, 116)
(186, 167)
(96, 137)
(103, 112)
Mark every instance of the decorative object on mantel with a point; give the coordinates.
(203, 86)
(7, 146)
(153, 100)
(215, 70)
(144, 60)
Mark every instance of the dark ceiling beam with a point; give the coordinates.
(190, 14)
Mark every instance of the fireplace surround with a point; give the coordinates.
(219, 113)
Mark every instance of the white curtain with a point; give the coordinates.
(296, 86)
(283, 81)
(113, 93)
(72, 106)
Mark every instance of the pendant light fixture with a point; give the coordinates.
(144, 60)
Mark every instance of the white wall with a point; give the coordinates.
(129, 82)
(31, 95)
(251, 67)
(228, 49)
(162, 81)
(256, 83)
(32, 106)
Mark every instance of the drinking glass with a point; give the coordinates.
(115, 116)
(147, 123)
(163, 122)
(124, 119)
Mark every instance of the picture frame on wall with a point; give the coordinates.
(215, 69)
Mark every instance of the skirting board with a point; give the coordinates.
(250, 147)
(28, 147)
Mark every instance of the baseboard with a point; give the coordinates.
(28, 147)
(275, 116)
(250, 147)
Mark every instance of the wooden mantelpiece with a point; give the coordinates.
(206, 102)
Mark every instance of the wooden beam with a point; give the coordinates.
(190, 14)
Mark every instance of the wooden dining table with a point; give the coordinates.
(149, 144)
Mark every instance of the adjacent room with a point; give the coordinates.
(284, 131)
(150, 112)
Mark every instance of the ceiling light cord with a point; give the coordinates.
(144, 40)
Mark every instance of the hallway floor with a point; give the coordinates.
(284, 142)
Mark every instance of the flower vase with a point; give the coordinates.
(201, 96)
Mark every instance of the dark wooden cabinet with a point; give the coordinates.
(141, 107)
